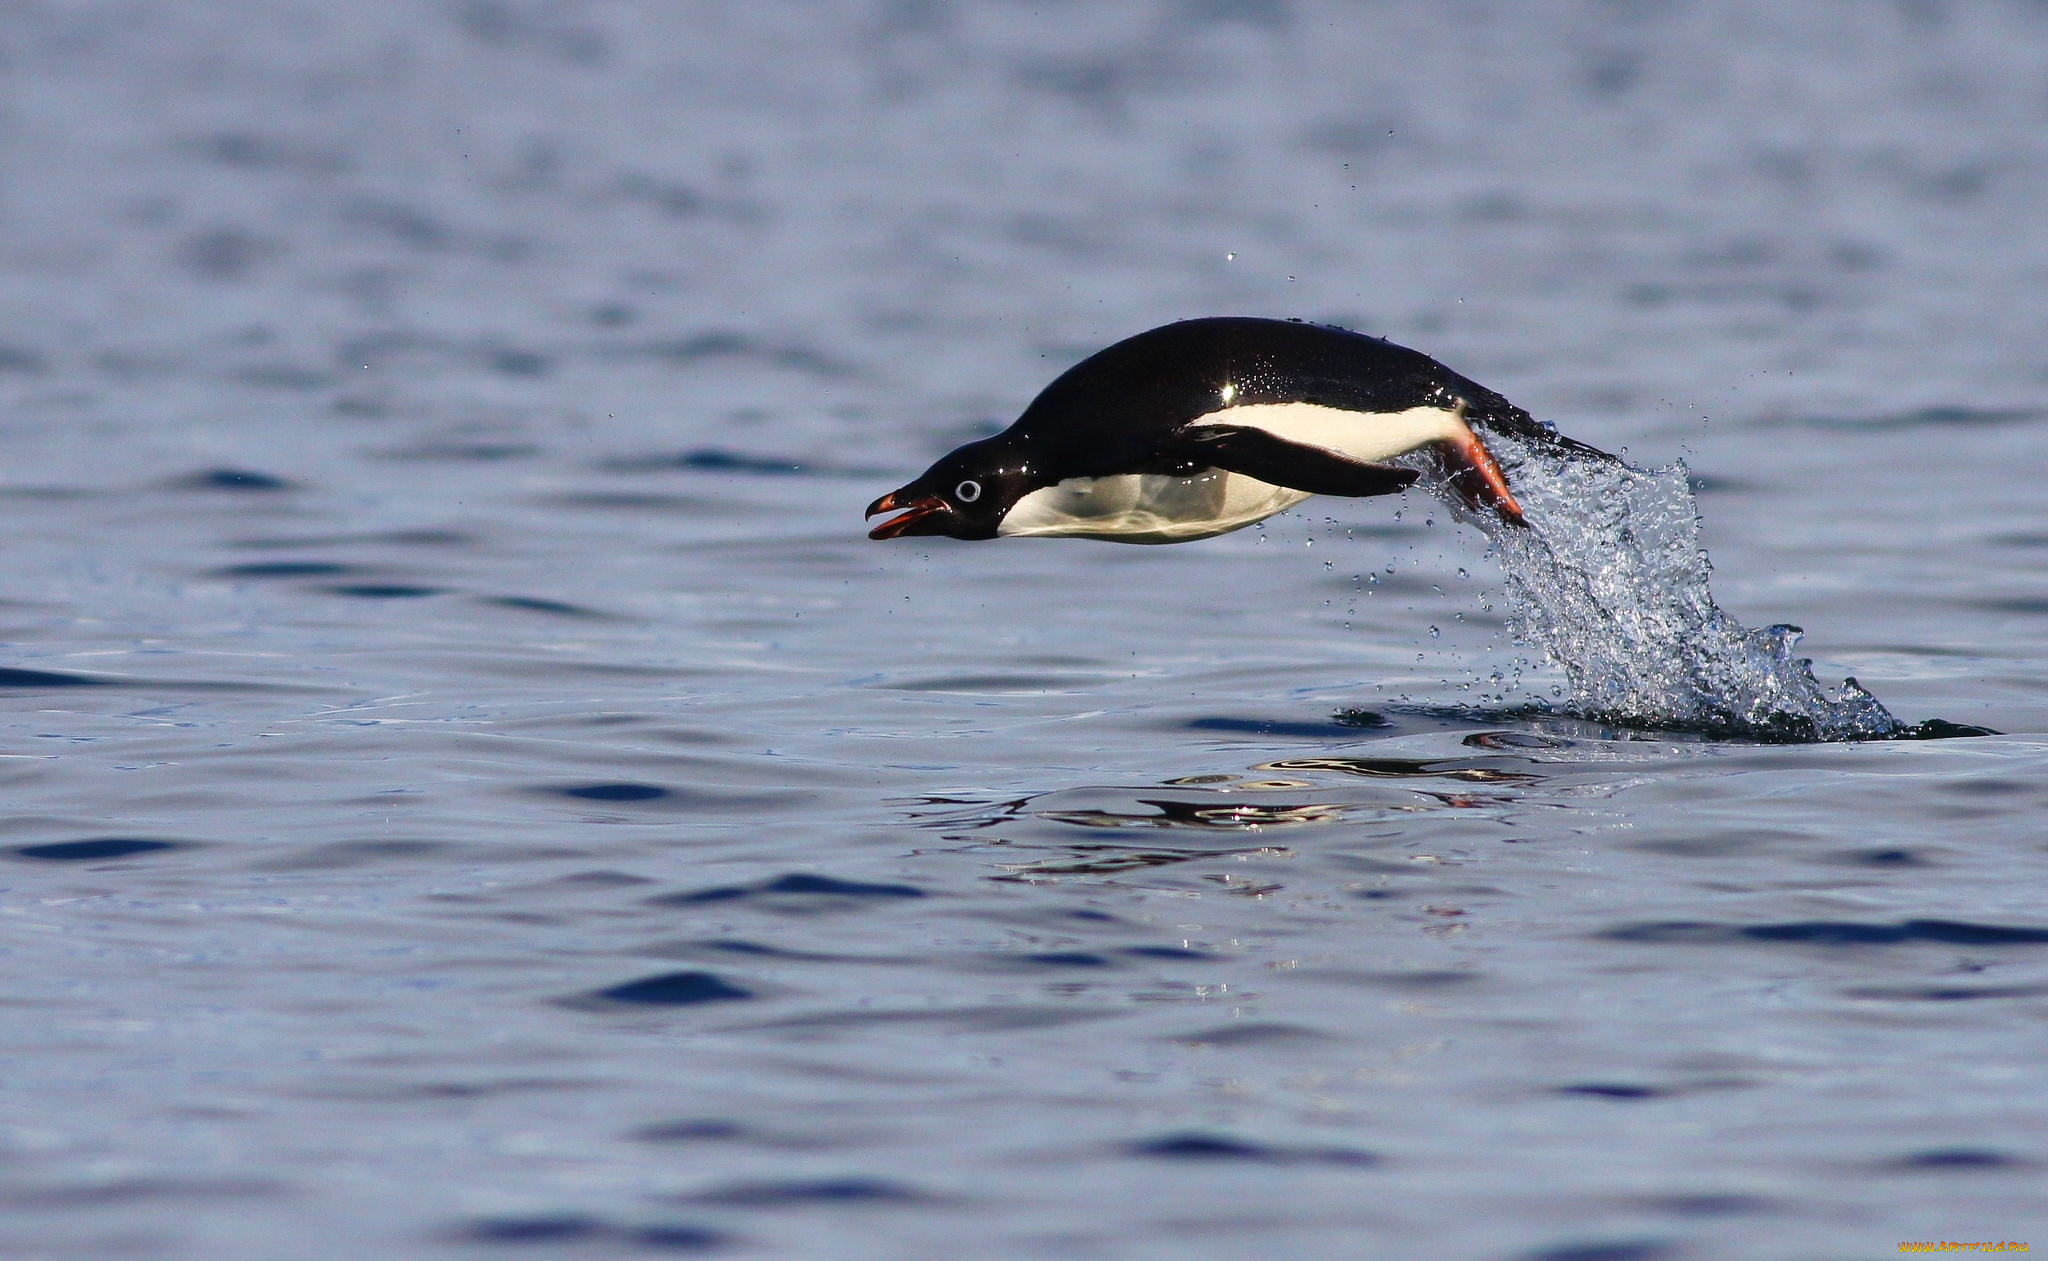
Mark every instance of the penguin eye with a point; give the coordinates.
(967, 492)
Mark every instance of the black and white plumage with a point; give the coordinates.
(1205, 426)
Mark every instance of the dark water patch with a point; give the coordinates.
(1832, 933)
(1940, 729)
(287, 569)
(21, 360)
(1399, 768)
(226, 253)
(253, 151)
(2032, 606)
(1060, 959)
(797, 891)
(613, 792)
(1333, 730)
(547, 32)
(1885, 858)
(713, 460)
(674, 989)
(1709, 1204)
(1203, 815)
(1200, 1147)
(1943, 993)
(510, 361)
(1950, 932)
(1614, 1090)
(599, 880)
(1109, 860)
(1415, 979)
(695, 1130)
(1956, 1160)
(233, 479)
(498, 1088)
(557, 1228)
(992, 1018)
(748, 949)
(676, 1237)
(96, 849)
(1252, 1033)
(553, 608)
(1938, 417)
(382, 591)
(1167, 952)
(1766, 729)
(357, 406)
(1718, 484)
(40, 680)
(459, 452)
(1606, 1250)
(1361, 719)
(1990, 786)
(798, 1193)
(400, 222)
(576, 1228)
(1576, 726)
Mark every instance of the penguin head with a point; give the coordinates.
(964, 496)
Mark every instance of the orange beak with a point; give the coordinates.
(914, 511)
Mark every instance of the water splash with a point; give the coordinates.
(1611, 583)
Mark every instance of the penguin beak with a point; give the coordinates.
(913, 510)
(1478, 480)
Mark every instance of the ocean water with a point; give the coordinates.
(473, 790)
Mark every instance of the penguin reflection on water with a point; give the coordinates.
(1202, 427)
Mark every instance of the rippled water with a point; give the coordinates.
(473, 790)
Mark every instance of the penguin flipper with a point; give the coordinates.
(1295, 465)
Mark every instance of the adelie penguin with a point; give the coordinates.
(1202, 427)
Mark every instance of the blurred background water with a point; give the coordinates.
(472, 788)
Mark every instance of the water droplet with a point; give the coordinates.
(1615, 591)
(1434, 633)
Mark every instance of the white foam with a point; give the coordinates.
(1611, 582)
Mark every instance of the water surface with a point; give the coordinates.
(473, 789)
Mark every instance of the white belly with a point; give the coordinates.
(1147, 507)
(1157, 508)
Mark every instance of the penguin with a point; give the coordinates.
(1205, 426)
